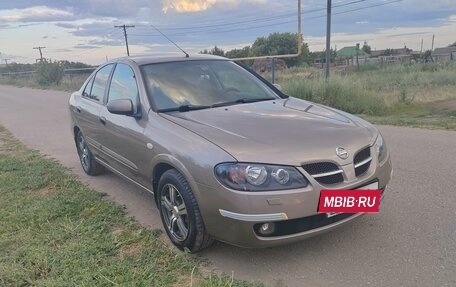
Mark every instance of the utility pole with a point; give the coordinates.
(328, 39)
(433, 38)
(421, 50)
(124, 27)
(41, 53)
(357, 56)
(6, 61)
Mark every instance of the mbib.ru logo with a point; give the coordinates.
(349, 201)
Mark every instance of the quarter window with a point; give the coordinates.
(87, 88)
(123, 85)
(99, 83)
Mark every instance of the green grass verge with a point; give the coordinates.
(396, 94)
(417, 95)
(419, 116)
(69, 83)
(55, 231)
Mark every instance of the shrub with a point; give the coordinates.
(48, 73)
(339, 93)
(404, 98)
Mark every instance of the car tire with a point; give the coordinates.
(180, 213)
(88, 162)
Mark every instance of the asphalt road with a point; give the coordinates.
(411, 242)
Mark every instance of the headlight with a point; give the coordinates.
(259, 177)
(380, 148)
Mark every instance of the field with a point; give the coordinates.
(417, 95)
(55, 231)
(69, 83)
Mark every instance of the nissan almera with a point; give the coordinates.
(226, 154)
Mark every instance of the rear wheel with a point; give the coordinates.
(88, 162)
(180, 213)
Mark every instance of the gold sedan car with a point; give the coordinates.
(226, 154)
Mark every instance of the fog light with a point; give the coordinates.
(267, 228)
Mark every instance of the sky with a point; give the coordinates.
(84, 30)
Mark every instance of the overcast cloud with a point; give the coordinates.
(87, 26)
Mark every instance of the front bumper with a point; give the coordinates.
(233, 216)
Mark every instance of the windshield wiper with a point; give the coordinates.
(184, 108)
(242, 101)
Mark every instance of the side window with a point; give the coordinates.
(99, 83)
(123, 85)
(88, 87)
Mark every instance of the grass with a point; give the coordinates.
(390, 94)
(69, 83)
(419, 95)
(55, 231)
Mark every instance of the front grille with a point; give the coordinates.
(298, 225)
(362, 155)
(320, 167)
(325, 172)
(362, 161)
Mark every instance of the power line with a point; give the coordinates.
(124, 27)
(262, 19)
(273, 24)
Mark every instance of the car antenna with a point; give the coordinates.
(186, 55)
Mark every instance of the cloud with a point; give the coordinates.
(185, 6)
(67, 25)
(82, 46)
(395, 37)
(35, 14)
(106, 42)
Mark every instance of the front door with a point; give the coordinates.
(124, 142)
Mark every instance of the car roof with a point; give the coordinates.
(164, 58)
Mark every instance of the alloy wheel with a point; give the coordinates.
(174, 212)
(83, 151)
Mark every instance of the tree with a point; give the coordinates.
(427, 56)
(366, 48)
(239, 53)
(453, 45)
(388, 52)
(48, 73)
(214, 51)
(272, 45)
(279, 44)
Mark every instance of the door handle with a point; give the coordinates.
(77, 109)
(103, 120)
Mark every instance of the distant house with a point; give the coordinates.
(349, 55)
(444, 54)
(391, 56)
(390, 52)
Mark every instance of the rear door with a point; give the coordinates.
(89, 108)
(124, 140)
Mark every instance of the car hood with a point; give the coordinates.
(286, 131)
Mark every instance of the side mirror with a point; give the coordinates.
(122, 107)
(278, 87)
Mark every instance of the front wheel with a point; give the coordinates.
(180, 213)
(88, 162)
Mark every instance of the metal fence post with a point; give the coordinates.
(273, 70)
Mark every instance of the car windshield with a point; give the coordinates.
(191, 85)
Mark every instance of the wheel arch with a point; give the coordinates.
(161, 163)
(76, 129)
